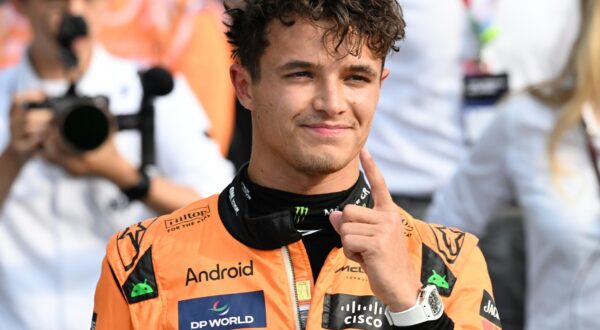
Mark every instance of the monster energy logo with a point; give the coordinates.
(301, 212)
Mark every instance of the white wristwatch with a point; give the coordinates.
(429, 307)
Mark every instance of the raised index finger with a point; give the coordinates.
(379, 191)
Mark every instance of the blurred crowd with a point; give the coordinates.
(488, 122)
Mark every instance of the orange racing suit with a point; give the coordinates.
(205, 266)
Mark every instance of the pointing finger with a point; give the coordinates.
(379, 191)
(336, 220)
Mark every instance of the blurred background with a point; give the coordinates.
(460, 62)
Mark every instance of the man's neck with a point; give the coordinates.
(294, 181)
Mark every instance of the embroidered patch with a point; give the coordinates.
(129, 242)
(141, 283)
(342, 311)
(231, 311)
(488, 309)
(449, 242)
(188, 219)
(434, 271)
(94, 318)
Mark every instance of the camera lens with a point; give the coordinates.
(85, 127)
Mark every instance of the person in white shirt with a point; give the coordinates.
(417, 136)
(58, 207)
(542, 149)
(422, 128)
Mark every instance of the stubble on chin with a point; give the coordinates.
(318, 164)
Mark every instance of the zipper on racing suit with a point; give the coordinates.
(289, 268)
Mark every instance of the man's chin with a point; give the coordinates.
(319, 165)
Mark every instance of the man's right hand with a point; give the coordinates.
(28, 129)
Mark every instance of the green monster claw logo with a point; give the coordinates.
(141, 289)
(438, 280)
(301, 212)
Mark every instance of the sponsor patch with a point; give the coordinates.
(232, 311)
(342, 311)
(488, 309)
(141, 283)
(355, 273)
(94, 318)
(219, 272)
(129, 242)
(434, 271)
(449, 242)
(187, 220)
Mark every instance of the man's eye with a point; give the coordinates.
(359, 78)
(300, 74)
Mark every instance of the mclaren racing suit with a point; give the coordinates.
(207, 266)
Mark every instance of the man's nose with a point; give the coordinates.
(330, 97)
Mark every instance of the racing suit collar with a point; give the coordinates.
(274, 230)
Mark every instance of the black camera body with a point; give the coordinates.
(84, 122)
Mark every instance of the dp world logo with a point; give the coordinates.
(230, 311)
(219, 310)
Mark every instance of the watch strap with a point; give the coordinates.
(421, 312)
(140, 189)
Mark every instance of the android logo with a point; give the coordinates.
(438, 280)
(141, 289)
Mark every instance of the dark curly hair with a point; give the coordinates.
(378, 23)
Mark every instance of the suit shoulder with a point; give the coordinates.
(126, 246)
(444, 252)
(135, 253)
(450, 243)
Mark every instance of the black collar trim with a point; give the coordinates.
(270, 231)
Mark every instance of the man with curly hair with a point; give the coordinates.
(299, 239)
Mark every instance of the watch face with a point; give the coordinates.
(435, 303)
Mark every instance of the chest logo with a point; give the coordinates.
(231, 311)
(343, 311)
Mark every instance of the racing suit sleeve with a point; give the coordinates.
(111, 311)
(471, 304)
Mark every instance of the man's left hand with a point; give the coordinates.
(375, 239)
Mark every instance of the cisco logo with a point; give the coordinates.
(348, 311)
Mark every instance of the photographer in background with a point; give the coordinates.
(58, 207)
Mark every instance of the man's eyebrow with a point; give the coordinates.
(296, 64)
(364, 69)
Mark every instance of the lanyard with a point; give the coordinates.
(593, 153)
(482, 17)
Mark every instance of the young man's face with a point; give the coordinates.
(310, 111)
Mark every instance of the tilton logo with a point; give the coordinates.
(219, 310)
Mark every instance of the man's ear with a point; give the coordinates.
(242, 81)
(384, 74)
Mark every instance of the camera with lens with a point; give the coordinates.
(84, 122)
